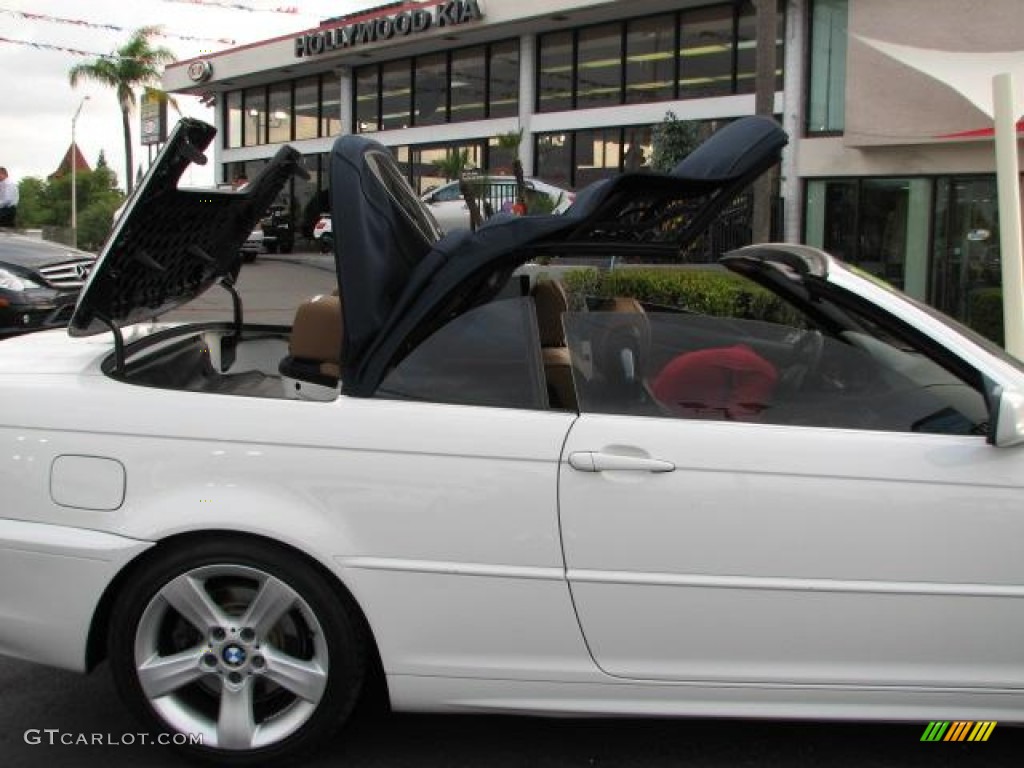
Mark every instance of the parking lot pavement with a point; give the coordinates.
(271, 288)
(315, 259)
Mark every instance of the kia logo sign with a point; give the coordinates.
(198, 71)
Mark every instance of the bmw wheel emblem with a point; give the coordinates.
(233, 655)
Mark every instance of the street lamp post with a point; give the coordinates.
(74, 169)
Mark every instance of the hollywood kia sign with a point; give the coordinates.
(405, 24)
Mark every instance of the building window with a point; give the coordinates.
(367, 95)
(255, 123)
(553, 159)
(598, 155)
(880, 224)
(396, 94)
(279, 113)
(967, 273)
(574, 159)
(330, 106)
(457, 86)
(701, 53)
(599, 66)
(638, 148)
(826, 110)
(233, 120)
(706, 40)
(307, 108)
(468, 86)
(650, 59)
(424, 159)
(305, 204)
(555, 75)
(431, 89)
(500, 160)
(746, 49)
(503, 79)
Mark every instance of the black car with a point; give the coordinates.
(278, 230)
(39, 282)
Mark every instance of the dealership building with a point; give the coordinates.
(887, 167)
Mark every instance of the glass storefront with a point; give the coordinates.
(882, 225)
(936, 238)
(966, 251)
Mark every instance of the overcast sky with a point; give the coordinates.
(37, 103)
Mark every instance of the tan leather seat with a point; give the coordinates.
(551, 302)
(312, 369)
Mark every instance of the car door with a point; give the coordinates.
(836, 522)
(448, 207)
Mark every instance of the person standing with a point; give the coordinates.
(8, 199)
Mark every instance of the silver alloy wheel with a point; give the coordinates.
(232, 653)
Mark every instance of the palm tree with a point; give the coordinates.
(454, 165)
(510, 141)
(136, 64)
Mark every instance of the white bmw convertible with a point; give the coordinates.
(473, 491)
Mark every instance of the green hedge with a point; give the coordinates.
(707, 292)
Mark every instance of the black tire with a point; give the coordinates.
(248, 257)
(271, 247)
(326, 243)
(317, 629)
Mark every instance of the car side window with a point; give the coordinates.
(488, 356)
(696, 366)
(447, 194)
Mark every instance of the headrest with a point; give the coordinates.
(552, 302)
(317, 330)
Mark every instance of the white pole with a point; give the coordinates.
(1008, 185)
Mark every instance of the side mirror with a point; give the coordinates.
(1008, 426)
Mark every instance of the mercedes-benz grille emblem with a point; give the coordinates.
(82, 270)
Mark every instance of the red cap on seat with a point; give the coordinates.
(725, 382)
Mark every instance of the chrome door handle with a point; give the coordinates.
(596, 461)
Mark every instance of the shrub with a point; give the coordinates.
(708, 292)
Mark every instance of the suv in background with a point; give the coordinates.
(278, 230)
